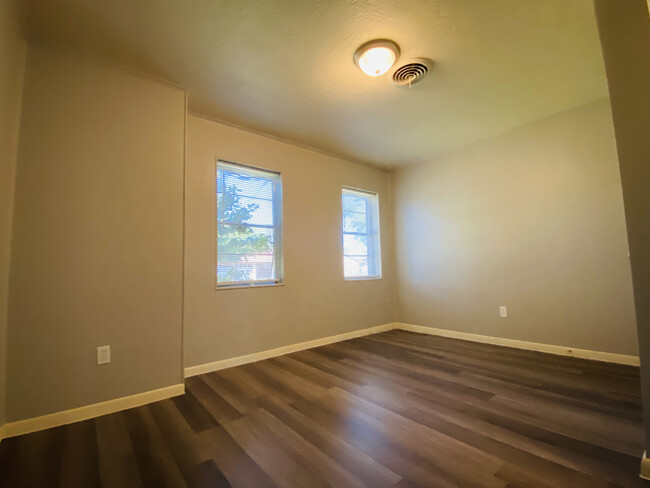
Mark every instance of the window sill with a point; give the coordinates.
(364, 278)
(241, 287)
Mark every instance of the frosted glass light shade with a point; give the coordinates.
(376, 57)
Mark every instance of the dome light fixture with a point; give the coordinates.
(376, 57)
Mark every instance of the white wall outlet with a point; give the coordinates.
(103, 355)
(503, 311)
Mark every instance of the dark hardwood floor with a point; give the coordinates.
(396, 409)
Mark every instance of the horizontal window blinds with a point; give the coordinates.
(249, 220)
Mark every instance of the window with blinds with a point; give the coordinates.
(361, 248)
(249, 226)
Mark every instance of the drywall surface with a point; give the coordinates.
(98, 231)
(533, 220)
(12, 64)
(314, 301)
(625, 38)
(284, 67)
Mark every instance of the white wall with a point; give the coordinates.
(314, 301)
(98, 230)
(531, 219)
(12, 65)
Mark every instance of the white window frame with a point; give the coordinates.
(372, 233)
(277, 218)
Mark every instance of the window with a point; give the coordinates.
(249, 226)
(361, 251)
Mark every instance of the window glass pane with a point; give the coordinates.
(260, 210)
(354, 245)
(235, 268)
(355, 266)
(354, 222)
(248, 225)
(247, 185)
(238, 201)
(361, 248)
(354, 203)
(244, 239)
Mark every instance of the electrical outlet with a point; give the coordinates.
(103, 355)
(503, 311)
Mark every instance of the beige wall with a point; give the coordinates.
(315, 301)
(625, 28)
(531, 219)
(12, 64)
(97, 246)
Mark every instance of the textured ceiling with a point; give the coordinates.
(284, 67)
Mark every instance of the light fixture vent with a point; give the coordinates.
(413, 72)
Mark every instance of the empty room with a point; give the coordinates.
(324, 243)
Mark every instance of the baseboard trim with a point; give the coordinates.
(12, 429)
(645, 467)
(86, 412)
(607, 357)
(531, 346)
(271, 353)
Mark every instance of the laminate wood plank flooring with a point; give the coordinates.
(391, 410)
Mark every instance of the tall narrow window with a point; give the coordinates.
(361, 250)
(249, 226)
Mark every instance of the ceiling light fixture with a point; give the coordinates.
(376, 57)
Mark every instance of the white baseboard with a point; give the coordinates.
(531, 346)
(12, 429)
(608, 357)
(271, 353)
(86, 412)
(645, 467)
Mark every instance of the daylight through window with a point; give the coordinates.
(249, 226)
(361, 249)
